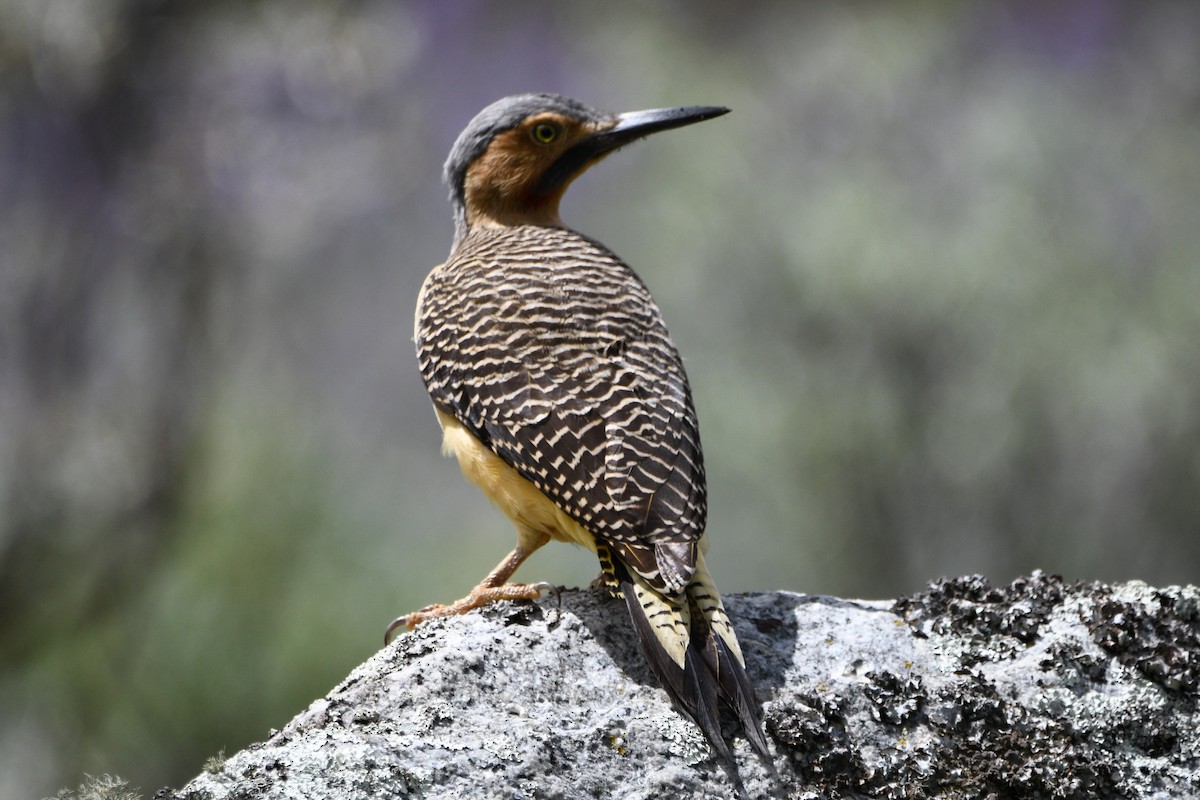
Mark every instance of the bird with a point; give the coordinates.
(563, 397)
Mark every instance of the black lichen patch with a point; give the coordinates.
(973, 744)
(1156, 737)
(990, 748)
(912, 734)
(522, 612)
(993, 622)
(895, 700)
(1076, 668)
(812, 731)
(1159, 638)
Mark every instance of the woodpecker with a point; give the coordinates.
(562, 396)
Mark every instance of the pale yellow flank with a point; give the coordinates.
(535, 515)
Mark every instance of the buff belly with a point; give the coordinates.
(534, 514)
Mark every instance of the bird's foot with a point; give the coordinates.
(479, 597)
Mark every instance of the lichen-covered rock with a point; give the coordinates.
(1039, 689)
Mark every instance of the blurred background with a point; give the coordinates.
(937, 282)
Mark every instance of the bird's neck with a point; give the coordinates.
(496, 211)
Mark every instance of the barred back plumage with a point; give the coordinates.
(551, 351)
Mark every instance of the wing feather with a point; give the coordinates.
(552, 352)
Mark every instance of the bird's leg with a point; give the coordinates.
(492, 588)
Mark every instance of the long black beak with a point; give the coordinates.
(634, 125)
(629, 127)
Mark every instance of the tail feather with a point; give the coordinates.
(691, 648)
(701, 700)
(735, 685)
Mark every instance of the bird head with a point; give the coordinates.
(517, 156)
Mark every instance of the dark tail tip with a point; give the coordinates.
(739, 693)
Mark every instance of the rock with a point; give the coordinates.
(1039, 689)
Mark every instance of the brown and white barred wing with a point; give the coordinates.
(552, 352)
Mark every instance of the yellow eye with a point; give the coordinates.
(545, 133)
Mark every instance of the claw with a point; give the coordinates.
(397, 623)
(552, 589)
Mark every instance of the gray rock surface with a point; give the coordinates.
(1039, 689)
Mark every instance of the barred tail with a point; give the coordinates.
(692, 650)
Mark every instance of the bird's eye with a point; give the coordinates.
(545, 133)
